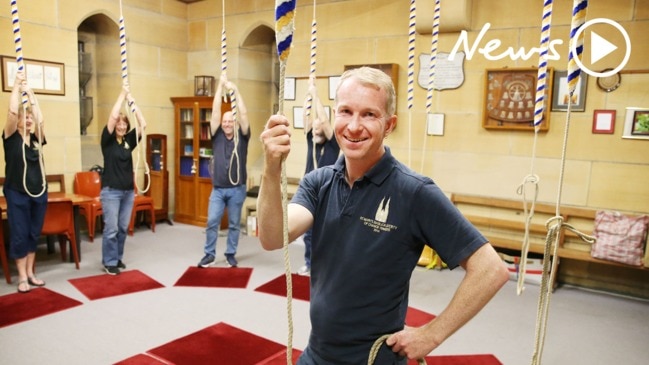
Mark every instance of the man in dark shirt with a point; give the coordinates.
(371, 217)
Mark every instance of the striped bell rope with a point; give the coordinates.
(284, 28)
(576, 43)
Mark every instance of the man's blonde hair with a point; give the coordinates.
(376, 79)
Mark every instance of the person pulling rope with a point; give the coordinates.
(230, 93)
(131, 108)
(28, 100)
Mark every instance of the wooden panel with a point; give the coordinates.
(185, 202)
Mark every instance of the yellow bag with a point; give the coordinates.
(430, 259)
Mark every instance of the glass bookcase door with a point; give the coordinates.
(157, 161)
(186, 133)
(205, 143)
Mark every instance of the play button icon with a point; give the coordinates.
(601, 47)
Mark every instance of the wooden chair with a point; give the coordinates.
(141, 203)
(88, 183)
(59, 220)
(55, 183)
(3, 252)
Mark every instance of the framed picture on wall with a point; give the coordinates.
(43, 77)
(560, 94)
(509, 99)
(604, 121)
(636, 123)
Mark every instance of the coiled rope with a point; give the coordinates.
(555, 224)
(539, 109)
(234, 158)
(15, 19)
(431, 77)
(284, 28)
(131, 107)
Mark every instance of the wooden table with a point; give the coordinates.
(77, 199)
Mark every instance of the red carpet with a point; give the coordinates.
(417, 318)
(216, 277)
(223, 344)
(17, 307)
(280, 358)
(460, 360)
(104, 286)
(277, 286)
(217, 344)
(142, 359)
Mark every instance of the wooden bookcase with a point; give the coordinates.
(193, 181)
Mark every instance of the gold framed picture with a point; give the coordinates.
(510, 99)
(43, 77)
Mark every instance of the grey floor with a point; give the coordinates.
(583, 328)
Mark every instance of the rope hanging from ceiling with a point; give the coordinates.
(26, 100)
(131, 107)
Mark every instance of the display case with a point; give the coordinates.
(156, 146)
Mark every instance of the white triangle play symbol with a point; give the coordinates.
(599, 47)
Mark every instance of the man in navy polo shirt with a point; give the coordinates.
(371, 217)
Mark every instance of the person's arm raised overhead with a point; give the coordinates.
(113, 118)
(37, 115)
(141, 122)
(215, 122)
(325, 125)
(242, 111)
(310, 93)
(14, 103)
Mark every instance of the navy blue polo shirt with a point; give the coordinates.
(366, 242)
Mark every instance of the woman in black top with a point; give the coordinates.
(25, 190)
(117, 144)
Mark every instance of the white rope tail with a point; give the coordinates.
(547, 278)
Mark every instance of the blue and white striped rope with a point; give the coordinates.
(411, 52)
(578, 20)
(433, 58)
(541, 82)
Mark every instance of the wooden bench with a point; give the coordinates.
(502, 222)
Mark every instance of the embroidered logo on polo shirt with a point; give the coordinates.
(382, 211)
(379, 224)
